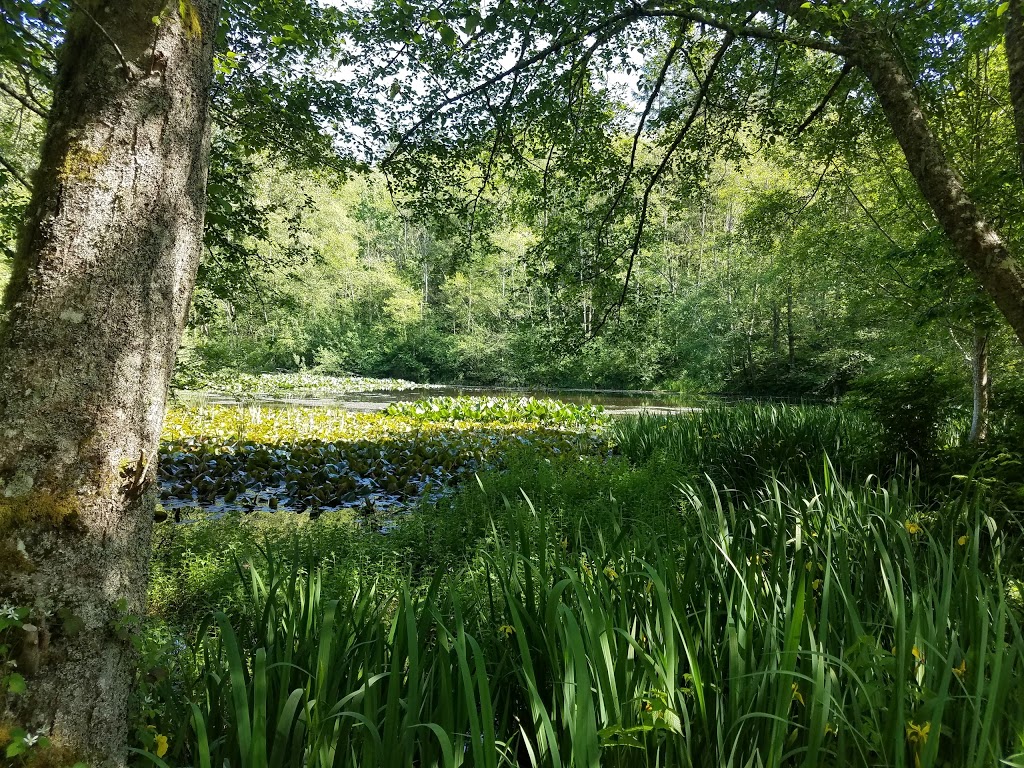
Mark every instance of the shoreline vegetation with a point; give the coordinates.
(746, 582)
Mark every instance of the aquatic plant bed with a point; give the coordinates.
(248, 458)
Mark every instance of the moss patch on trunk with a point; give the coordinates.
(37, 510)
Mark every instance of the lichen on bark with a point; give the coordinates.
(92, 319)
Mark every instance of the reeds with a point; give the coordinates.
(819, 624)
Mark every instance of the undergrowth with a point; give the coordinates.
(671, 605)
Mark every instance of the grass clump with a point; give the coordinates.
(738, 446)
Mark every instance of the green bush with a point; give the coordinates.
(911, 402)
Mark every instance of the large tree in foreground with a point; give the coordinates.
(93, 317)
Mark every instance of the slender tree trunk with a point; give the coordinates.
(976, 241)
(776, 325)
(790, 335)
(93, 318)
(1014, 29)
(982, 386)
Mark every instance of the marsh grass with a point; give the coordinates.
(740, 446)
(820, 623)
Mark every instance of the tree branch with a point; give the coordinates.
(816, 112)
(103, 31)
(662, 167)
(25, 101)
(878, 226)
(521, 64)
(746, 30)
(628, 175)
(11, 169)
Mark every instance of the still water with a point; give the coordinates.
(613, 401)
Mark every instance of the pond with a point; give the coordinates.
(224, 453)
(614, 402)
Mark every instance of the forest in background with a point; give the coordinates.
(787, 271)
(798, 262)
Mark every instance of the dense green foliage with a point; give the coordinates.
(779, 254)
(619, 610)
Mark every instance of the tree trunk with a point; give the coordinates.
(776, 326)
(93, 317)
(1014, 29)
(976, 241)
(982, 386)
(790, 335)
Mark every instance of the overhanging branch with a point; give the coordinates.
(817, 111)
(13, 170)
(634, 250)
(25, 101)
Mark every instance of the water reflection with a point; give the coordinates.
(613, 401)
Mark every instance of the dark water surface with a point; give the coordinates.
(613, 401)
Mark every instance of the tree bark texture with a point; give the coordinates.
(977, 242)
(92, 320)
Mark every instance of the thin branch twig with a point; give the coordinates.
(103, 30)
(11, 169)
(662, 167)
(25, 101)
(816, 112)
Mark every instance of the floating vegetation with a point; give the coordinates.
(287, 383)
(249, 458)
(500, 410)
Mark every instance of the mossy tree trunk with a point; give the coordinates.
(1014, 44)
(92, 319)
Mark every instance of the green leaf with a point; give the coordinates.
(15, 748)
(1003, 8)
(16, 684)
(17, 745)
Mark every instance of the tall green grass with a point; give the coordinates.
(739, 446)
(822, 624)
